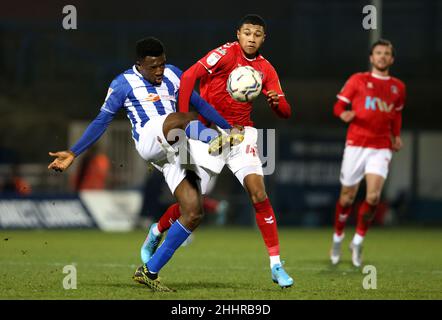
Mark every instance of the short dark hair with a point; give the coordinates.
(382, 42)
(252, 19)
(149, 47)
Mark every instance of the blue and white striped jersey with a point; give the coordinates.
(141, 99)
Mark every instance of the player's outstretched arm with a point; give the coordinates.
(92, 133)
(63, 160)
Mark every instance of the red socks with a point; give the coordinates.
(341, 217)
(365, 217)
(169, 217)
(266, 221)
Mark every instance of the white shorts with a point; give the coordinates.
(152, 144)
(242, 159)
(359, 161)
(153, 147)
(175, 172)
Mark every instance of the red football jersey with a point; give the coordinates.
(219, 63)
(378, 102)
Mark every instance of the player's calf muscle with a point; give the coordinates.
(189, 200)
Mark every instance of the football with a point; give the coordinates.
(244, 84)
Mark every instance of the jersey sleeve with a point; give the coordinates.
(339, 107)
(93, 132)
(218, 58)
(397, 120)
(397, 124)
(271, 82)
(402, 97)
(115, 97)
(349, 90)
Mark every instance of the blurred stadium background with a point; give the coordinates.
(53, 82)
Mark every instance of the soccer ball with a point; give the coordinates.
(244, 84)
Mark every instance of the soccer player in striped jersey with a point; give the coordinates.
(148, 93)
(375, 119)
(243, 160)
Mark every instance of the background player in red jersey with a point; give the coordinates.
(243, 160)
(375, 118)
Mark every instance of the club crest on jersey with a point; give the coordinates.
(369, 85)
(152, 97)
(213, 58)
(373, 103)
(394, 89)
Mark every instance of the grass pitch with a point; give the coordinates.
(225, 263)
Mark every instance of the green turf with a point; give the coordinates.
(227, 263)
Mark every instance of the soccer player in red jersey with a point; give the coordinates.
(243, 160)
(375, 119)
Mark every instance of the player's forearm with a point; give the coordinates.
(208, 112)
(282, 109)
(92, 133)
(187, 84)
(397, 124)
(339, 108)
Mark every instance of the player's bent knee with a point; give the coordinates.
(189, 116)
(373, 198)
(192, 211)
(346, 200)
(258, 196)
(193, 217)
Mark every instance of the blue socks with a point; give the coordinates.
(196, 130)
(175, 237)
